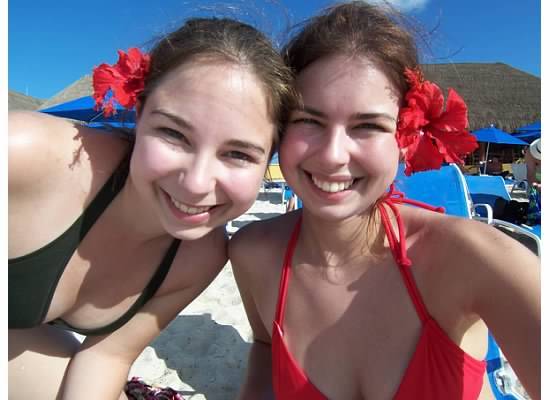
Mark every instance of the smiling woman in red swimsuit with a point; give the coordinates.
(357, 295)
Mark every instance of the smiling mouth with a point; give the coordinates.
(332, 186)
(192, 210)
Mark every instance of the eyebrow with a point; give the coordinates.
(246, 146)
(367, 116)
(178, 120)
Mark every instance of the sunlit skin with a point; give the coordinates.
(339, 135)
(209, 153)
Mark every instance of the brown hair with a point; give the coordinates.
(360, 29)
(214, 39)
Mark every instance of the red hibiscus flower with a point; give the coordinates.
(429, 134)
(125, 80)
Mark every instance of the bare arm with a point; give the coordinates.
(257, 384)
(505, 293)
(103, 363)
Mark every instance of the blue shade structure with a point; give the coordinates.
(82, 109)
(529, 132)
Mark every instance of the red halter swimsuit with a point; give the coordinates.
(439, 369)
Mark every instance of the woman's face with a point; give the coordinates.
(202, 145)
(339, 152)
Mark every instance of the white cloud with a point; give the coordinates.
(403, 5)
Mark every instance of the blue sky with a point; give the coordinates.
(52, 44)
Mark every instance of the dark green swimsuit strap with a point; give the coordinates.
(147, 294)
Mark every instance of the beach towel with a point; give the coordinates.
(136, 389)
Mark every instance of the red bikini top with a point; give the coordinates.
(439, 369)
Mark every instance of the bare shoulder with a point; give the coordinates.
(55, 167)
(44, 149)
(447, 236)
(260, 242)
(467, 256)
(36, 145)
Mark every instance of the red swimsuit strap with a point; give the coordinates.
(398, 245)
(280, 311)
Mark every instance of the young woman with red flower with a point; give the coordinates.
(358, 296)
(113, 237)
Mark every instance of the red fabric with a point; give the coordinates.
(429, 135)
(439, 369)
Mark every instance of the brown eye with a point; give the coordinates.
(240, 157)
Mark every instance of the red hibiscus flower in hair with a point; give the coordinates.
(125, 80)
(429, 134)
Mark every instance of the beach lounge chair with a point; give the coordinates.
(492, 200)
(447, 187)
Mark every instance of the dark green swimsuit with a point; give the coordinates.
(33, 278)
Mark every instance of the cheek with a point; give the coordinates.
(380, 153)
(242, 185)
(151, 159)
(292, 149)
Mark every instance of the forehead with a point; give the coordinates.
(342, 78)
(211, 79)
(216, 95)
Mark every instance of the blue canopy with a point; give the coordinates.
(495, 135)
(535, 126)
(82, 109)
(529, 132)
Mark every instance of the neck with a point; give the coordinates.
(341, 243)
(133, 216)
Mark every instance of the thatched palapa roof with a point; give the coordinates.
(19, 101)
(80, 88)
(495, 93)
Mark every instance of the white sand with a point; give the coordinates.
(203, 352)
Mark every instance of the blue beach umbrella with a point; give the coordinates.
(494, 135)
(82, 109)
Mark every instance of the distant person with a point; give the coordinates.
(359, 295)
(494, 166)
(112, 237)
(533, 161)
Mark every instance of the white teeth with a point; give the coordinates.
(332, 187)
(188, 210)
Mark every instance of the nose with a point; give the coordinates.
(199, 176)
(334, 149)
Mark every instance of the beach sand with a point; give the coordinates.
(203, 353)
